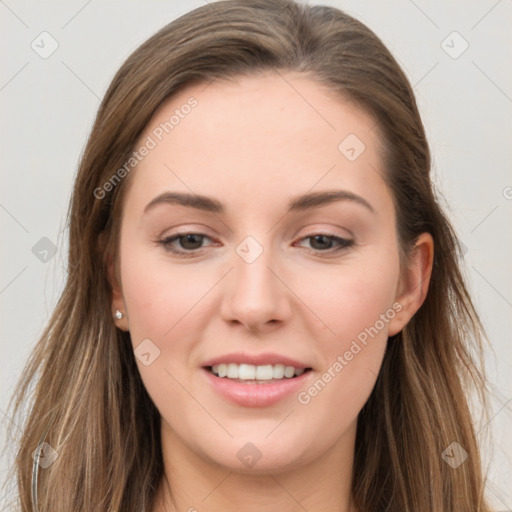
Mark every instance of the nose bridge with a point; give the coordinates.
(255, 295)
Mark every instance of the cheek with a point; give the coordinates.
(168, 304)
(353, 297)
(158, 295)
(356, 306)
(164, 306)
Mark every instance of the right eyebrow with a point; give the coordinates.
(184, 199)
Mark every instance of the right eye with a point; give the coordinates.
(190, 243)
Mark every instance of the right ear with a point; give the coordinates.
(117, 301)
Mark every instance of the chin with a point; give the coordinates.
(259, 456)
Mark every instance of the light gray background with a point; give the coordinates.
(48, 106)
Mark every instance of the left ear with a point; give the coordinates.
(413, 284)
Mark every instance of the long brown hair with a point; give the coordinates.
(88, 401)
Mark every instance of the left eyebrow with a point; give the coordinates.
(317, 199)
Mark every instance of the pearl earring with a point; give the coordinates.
(119, 315)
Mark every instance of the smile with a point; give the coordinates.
(250, 372)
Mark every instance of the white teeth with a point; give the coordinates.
(251, 372)
(289, 371)
(246, 372)
(233, 371)
(264, 372)
(278, 371)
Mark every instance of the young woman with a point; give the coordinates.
(264, 308)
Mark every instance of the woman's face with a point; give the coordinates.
(291, 262)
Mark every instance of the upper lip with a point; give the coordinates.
(255, 359)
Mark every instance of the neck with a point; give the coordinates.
(193, 484)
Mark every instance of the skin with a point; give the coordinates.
(253, 144)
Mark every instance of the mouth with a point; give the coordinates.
(257, 380)
(256, 374)
(262, 385)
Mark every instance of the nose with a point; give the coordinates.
(255, 295)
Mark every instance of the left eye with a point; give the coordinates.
(321, 238)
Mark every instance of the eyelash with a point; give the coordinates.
(344, 244)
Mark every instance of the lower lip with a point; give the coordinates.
(256, 394)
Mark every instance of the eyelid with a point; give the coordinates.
(192, 229)
(318, 229)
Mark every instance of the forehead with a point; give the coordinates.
(266, 135)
